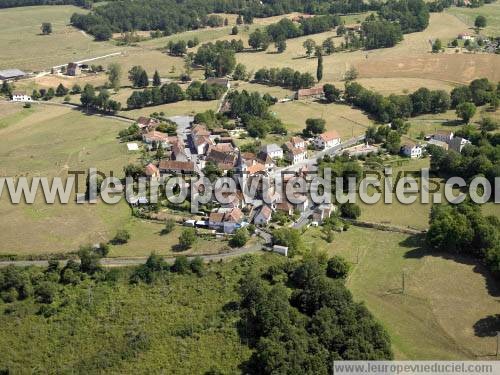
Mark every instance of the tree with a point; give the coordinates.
(169, 226)
(89, 260)
(314, 126)
(61, 90)
(239, 238)
(234, 30)
(197, 266)
(76, 89)
(350, 210)
(466, 111)
(319, 70)
(143, 79)
(480, 22)
(494, 102)
(156, 79)
(258, 40)
(239, 20)
(309, 45)
(46, 28)
(181, 264)
(122, 236)
(101, 32)
(138, 76)
(393, 142)
(488, 124)
(187, 238)
(280, 45)
(351, 74)
(290, 238)
(88, 96)
(328, 46)
(240, 72)
(337, 267)
(46, 291)
(6, 88)
(332, 94)
(114, 75)
(437, 46)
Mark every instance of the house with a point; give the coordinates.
(219, 81)
(295, 154)
(177, 167)
(412, 150)
(441, 144)
(155, 138)
(264, 216)
(315, 92)
(147, 123)
(285, 207)
(298, 142)
(283, 250)
(226, 220)
(443, 136)
(11, 74)
(151, 171)
(178, 149)
(458, 143)
(273, 151)
(223, 155)
(327, 140)
(73, 69)
(322, 212)
(200, 139)
(465, 36)
(20, 97)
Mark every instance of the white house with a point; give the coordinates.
(412, 150)
(327, 140)
(458, 143)
(273, 151)
(264, 216)
(20, 97)
(296, 155)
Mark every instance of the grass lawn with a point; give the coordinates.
(435, 318)
(146, 237)
(185, 107)
(347, 121)
(490, 11)
(23, 46)
(49, 141)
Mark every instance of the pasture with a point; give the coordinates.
(24, 47)
(437, 317)
(347, 121)
(490, 11)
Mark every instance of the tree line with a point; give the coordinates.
(172, 92)
(284, 77)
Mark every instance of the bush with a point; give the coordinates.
(240, 238)
(337, 267)
(197, 266)
(169, 226)
(350, 210)
(187, 238)
(181, 265)
(45, 292)
(121, 237)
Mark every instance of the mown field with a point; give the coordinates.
(438, 317)
(490, 11)
(24, 47)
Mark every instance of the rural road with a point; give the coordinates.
(124, 262)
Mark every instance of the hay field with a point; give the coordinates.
(49, 141)
(438, 317)
(24, 47)
(347, 121)
(490, 11)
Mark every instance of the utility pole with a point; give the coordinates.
(498, 344)
(403, 281)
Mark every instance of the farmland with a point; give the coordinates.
(24, 47)
(431, 319)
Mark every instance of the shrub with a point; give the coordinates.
(337, 267)
(181, 265)
(350, 210)
(121, 237)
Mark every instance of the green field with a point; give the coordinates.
(490, 11)
(24, 47)
(435, 317)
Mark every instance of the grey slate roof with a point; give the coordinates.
(11, 73)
